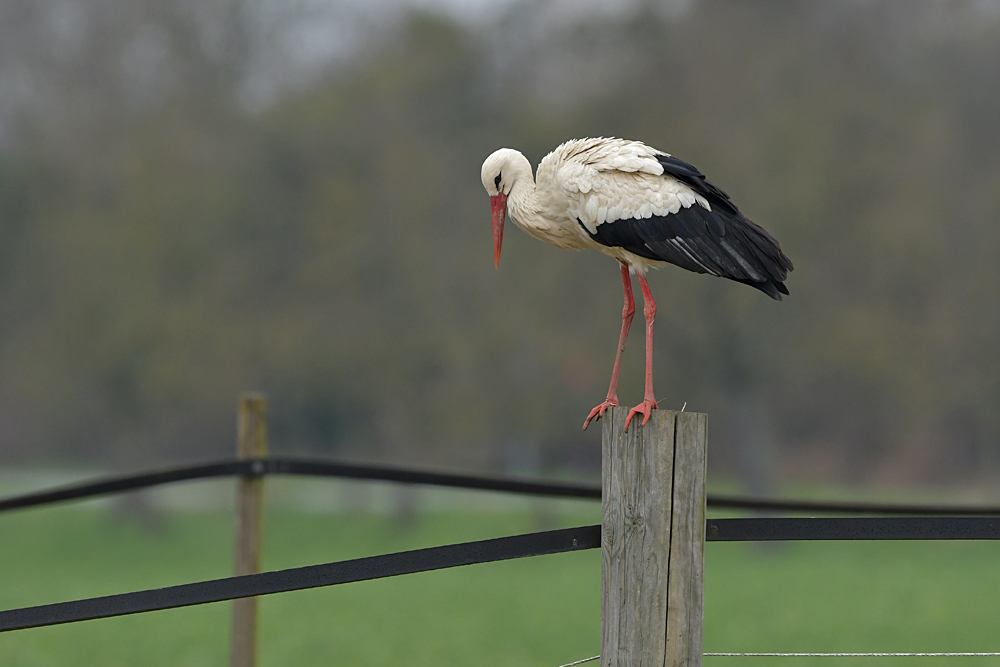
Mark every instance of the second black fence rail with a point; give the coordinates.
(938, 523)
(325, 468)
(484, 551)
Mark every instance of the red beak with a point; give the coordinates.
(499, 205)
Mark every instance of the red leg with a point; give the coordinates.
(627, 314)
(649, 310)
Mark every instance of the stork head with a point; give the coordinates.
(501, 171)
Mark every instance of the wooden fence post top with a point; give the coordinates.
(251, 442)
(653, 537)
(251, 426)
(253, 398)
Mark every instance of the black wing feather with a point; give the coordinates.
(722, 241)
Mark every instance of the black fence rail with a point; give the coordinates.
(484, 551)
(325, 468)
(312, 576)
(294, 466)
(961, 523)
(852, 528)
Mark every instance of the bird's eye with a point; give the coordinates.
(496, 181)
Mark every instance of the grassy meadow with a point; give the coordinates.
(544, 612)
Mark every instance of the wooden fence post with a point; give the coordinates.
(653, 539)
(251, 443)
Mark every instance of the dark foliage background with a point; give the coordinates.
(202, 198)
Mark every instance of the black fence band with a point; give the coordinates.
(853, 528)
(320, 468)
(323, 468)
(504, 548)
(125, 483)
(294, 466)
(313, 576)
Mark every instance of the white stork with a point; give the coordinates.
(644, 208)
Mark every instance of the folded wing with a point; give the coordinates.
(662, 208)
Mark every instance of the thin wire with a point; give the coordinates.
(847, 655)
(580, 662)
(822, 655)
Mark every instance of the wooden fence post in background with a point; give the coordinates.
(251, 443)
(653, 539)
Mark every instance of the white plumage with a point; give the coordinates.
(639, 205)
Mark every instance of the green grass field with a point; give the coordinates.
(903, 596)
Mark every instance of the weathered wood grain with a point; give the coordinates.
(687, 554)
(652, 564)
(251, 443)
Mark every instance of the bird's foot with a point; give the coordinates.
(598, 412)
(644, 409)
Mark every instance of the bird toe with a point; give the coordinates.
(598, 412)
(645, 409)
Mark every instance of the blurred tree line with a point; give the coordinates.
(187, 211)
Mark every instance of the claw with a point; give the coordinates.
(644, 409)
(598, 412)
